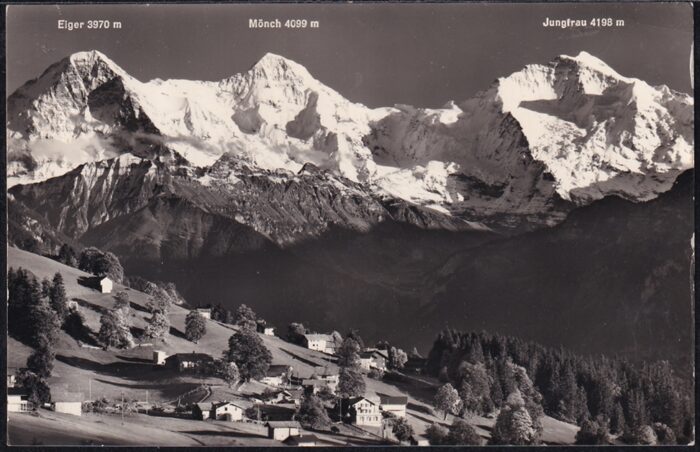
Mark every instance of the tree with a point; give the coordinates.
(447, 400)
(45, 288)
(158, 325)
(401, 429)
(45, 325)
(74, 325)
(436, 434)
(593, 432)
(617, 420)
(115, 329)
(397, 358)
(474, 389)
(159, 299)
(355, 335)
(247, 350)
(38, 391)
(245, 317)
(415, 353)
(195, 326)
(326, 394)
(295, 333)
(337, 339)
(514, 425)
(531, 397)
(664, 433)
(312, 413)
(24, 293)
(41, 361)
(462, 434)
(348, 354)
(350, 383)
(227, 371)
(57, 297)
(67, 256)
(122, 301)
(97, 262)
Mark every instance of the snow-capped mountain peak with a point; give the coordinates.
(585, 59)
(532, 145)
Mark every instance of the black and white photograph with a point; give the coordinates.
(350, 224)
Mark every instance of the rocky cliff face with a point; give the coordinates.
(155, 203)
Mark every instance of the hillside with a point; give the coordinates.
(116, 373)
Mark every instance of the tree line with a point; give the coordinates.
(643, 403)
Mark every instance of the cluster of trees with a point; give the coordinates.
(115, 324)
(313, 413)
(67, 255)
(243, 315)
(246, 349)
(36, 312)
(350, 381)
(156, 289)
(600, 394)
(101, 263)
(195, 326)
(221, 314)
(460, 433)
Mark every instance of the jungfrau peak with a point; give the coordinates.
(529, 148)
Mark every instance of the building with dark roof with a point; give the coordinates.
(188, 361)
(281, 430)
(306, 440)
(395, 405)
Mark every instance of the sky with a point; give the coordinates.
(377, 54)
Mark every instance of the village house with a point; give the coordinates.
(331, 379)
(281, 430)
(318, 373)
(395, 405)
(313, 386)
(227, 411)
(320, 342)
(265, 329)
(69, 403)
(292, 396)
(188, 361)
(159, 357)
(105, 285)
(17, 401)
(364, 411)
(307, 440)
(373, 359)
(415, 364)
(277, 375)
(204, 312)
(277, 412)
(283, 396)
(201, 411)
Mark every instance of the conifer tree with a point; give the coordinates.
(195, 326)
(57, 297)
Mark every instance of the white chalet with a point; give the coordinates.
(320, 342)
(17, 401)
(365, 411)
(394, 404)
(204, 312)
(106, 285)
(226, 411)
